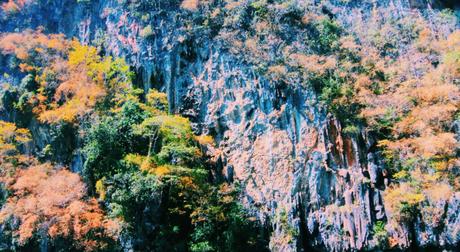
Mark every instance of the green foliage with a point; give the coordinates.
(328, 34)
(178, 154)
(130, 194)
(336, 93)
(138, 157)
(28, 82)
(350, 130)
(384, 124)
(260, 8)
(290, 231)
(380, 234)
(220, 223)
(201, 246)
(110, 140)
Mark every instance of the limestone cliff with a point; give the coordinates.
(314, 186)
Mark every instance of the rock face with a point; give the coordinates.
(316, 187)
(293, 163)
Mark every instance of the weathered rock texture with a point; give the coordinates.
(317, 188)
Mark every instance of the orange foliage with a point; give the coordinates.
(314, 63)
(13, 6)
(81, 85)
(450, 48)
(49, 200)
(421, 97)
(80, 94)
(190, 4)
(29, 42)
(442, 144)
(77, 75)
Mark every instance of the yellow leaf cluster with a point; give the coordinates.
(11, 136)
(205, 140)
(79, 76)
(396, 196)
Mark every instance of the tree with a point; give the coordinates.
(110, 140)
(50, 203)
(73, 79)
(221, 224)
(88, 80)
(149, 171)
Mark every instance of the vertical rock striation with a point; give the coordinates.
(316, 187)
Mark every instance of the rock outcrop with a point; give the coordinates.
(317, 187)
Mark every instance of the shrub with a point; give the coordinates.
(380, 234)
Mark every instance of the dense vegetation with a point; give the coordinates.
(145, 169)
(394, 77)
(147, 181)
